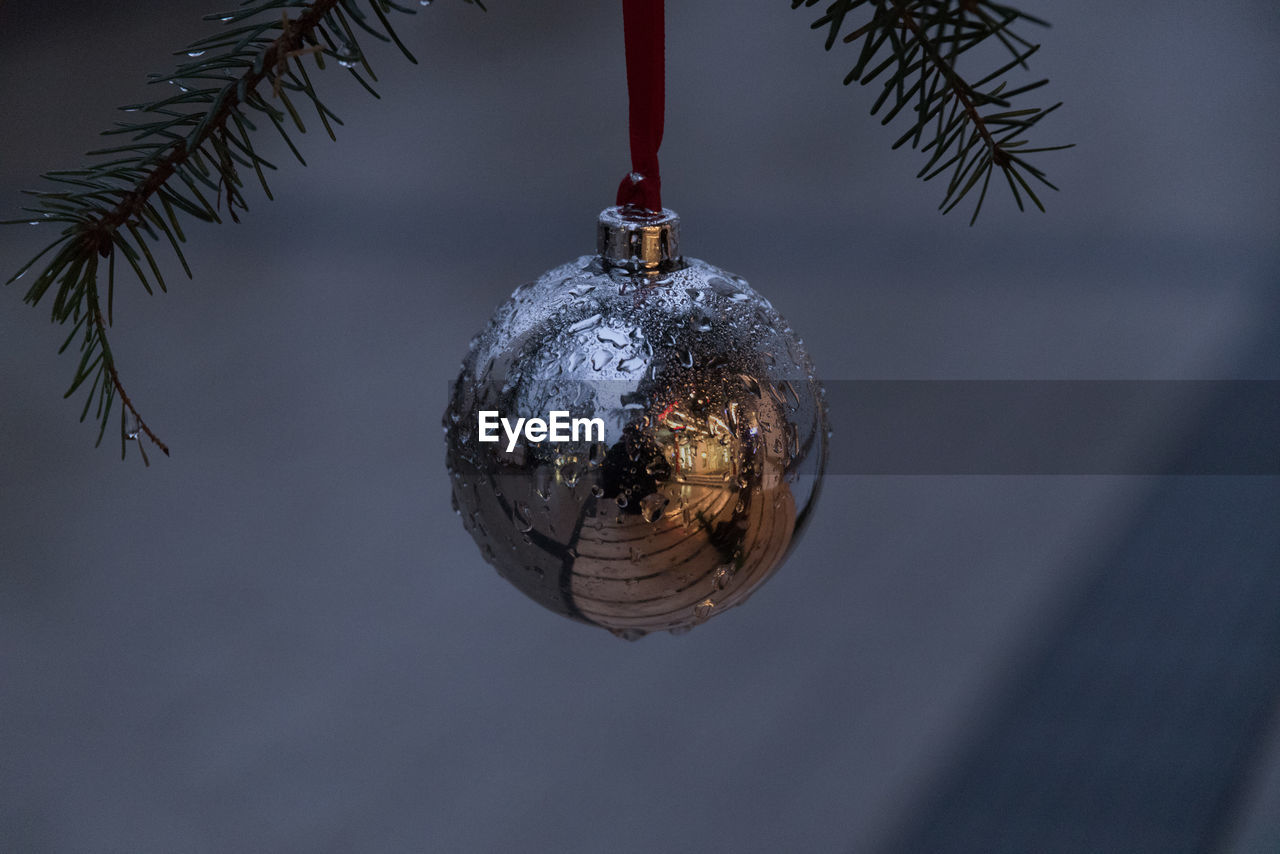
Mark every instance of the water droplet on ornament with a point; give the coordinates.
(634, 363)
(789, 391)
(795, 349)
(542, 482)
(703, 609)
(599, 360)
(721, 286)
(629, 634)
(723, 576)
(621, 500)
(686, 358)
(651, 506)
(612, 336)
(585, 323)
(597, 490)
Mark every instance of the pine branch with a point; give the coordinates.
(193, 146)
(969, 128)
(197, 143)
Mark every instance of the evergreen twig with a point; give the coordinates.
(192, 147)
(968, 127)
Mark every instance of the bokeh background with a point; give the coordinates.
(281, 638)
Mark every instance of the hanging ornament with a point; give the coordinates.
(636, 438)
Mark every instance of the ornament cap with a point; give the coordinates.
(639, 240)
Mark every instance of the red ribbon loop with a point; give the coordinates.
(642, 22)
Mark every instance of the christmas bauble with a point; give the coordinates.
(636, 438)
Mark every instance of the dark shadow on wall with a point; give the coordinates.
(1139, 722)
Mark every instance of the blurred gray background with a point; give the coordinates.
(281, 639)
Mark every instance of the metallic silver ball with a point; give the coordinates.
(714, 442)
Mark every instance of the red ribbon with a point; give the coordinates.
(642, 22)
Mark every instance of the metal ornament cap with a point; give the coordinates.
(639, 240)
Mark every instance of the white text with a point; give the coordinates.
(556, 427)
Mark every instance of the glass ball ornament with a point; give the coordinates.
(700, 444)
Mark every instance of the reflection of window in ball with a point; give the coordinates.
(715, 435)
